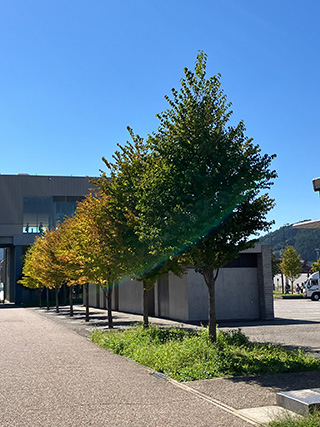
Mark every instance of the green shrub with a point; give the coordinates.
(189, 355)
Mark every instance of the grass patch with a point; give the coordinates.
(312, 420)
(189, 355)
(277, 294)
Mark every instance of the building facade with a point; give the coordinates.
(30, 204)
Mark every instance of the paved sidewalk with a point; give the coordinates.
(50, 374)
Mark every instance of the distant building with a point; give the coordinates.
(29, 205)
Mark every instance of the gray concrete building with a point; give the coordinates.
(244, 290)
(30, 204)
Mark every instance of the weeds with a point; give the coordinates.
(312, 420)
(189, 355)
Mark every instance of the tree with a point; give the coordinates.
(139, 259)
(291, 264)
(30, 278)
(42, 266)
(90, 248)
(100, 245)
(316, 267)
(203, 189)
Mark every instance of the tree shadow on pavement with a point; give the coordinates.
(281, 382)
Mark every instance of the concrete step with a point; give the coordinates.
(300, 401)
(265, 414)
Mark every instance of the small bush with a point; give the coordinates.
(189, 355)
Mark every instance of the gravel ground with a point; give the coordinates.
(52, 375)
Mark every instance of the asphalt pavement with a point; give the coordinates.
(51, 374)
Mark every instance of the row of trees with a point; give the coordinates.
(193, 193)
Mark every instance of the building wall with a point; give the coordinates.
(237, 294)
(244, 290)
(13, 190)
(130, 296)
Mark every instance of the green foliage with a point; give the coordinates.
(316, 267)
(189, 355)
(304, 241)
(204, 192)
(291, 263)
(204, 187)
(195, 192)
(312, 420)
(141, 260)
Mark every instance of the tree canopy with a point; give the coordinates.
(204, 187)
(316, 267)
(291, 264)
(193, 193)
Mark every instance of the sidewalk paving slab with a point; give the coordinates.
(50, 375)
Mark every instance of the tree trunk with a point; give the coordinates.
(40, 299)
(87, 301)
(57, 300)
(71, 300)
(109, 299)
(145, 306)
(210, 279)
(47, 295)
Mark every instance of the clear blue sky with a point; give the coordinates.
(75, 73)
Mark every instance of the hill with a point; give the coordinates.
(306, 242)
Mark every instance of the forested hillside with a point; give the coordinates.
(306, 242)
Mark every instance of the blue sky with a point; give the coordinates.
(74, 74)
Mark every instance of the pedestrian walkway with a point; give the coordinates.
(51, 374)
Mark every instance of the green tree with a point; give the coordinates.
(291, 264)
(316, 267)
(141, 260)
(203, 192)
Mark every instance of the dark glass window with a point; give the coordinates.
(37, 214)
(42, 213)
(63, 210)
(244, 260)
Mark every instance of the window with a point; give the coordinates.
(42, 213)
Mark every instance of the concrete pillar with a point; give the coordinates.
(17, 275)
(265, 283)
